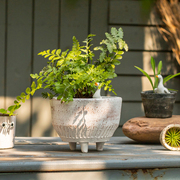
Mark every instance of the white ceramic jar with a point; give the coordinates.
(7, 131)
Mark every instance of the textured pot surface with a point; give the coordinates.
(158, 105)
(7, 131)
(86, 119)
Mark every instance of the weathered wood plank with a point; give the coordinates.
(46, 24)
(131, 110)
(19, 58)
(98, 24)
(143, 60)
(74, 22)
(132, 12)
(2, 52)
(143, 38)
(98, 20)
(129, 87)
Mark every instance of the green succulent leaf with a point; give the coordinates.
(149, 78)
(170, 77)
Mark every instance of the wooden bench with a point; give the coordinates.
(47, 158)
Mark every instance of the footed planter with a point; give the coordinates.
(7, 131)
(158, 105)
(86, 120)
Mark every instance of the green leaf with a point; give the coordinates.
(159, 67)
(16, 102)
(28, 96)
(110, 47)
(145, 75)
(53, 51)
(23, 95)
(58, 52)
(33, 85)
(28, 90)
(114, 31)
(115, 62)
(102, 56)
(120, 33)
(51, 57)
(3, 111)
(17, 107)
(118, 57)
(60, 62)
(11, 108)
(111, 39)
(153, 65)
(46, 55)
(34, 76)
(170, 77)
(172, 89)
(24, 99)
(18, 98)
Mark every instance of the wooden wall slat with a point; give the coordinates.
(98, 24)
(2, 52)
(129, 87)
(46, 26)
(143, 38)
(132, 12)
(19, 58)
(74, 22)
(98, 20)
(131, 110)
(142, 59)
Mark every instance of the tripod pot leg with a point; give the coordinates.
(84, 147)
(72, 145)
(99, 146)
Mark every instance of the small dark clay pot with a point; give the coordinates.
(158, 105)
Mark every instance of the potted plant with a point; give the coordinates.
(158, 104)
(8, 119)
(7, 131)
(72, 79)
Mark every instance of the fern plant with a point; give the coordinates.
(153, 65)
(73, 74)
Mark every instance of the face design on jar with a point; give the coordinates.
(5, 127)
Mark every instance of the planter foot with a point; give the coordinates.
(99, 146)
(72, 145)
(84, 147)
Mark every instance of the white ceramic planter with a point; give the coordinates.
(86, 120)
(7, 131)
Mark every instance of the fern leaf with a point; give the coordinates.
(58, 52)
(53, 51)
(120, 33)
(114, 32)
(111, 39)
